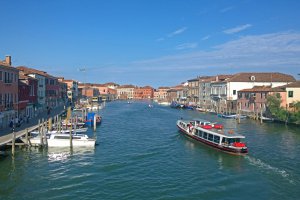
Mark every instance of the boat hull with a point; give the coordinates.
(213, 145)
(75, 143)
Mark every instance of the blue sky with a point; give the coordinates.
(151, 42)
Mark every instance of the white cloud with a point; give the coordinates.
(270, 52)
(186, 46)
(205, 37)
(226, 9)
(177, 32)
(237, 29)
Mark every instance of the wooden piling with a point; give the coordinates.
(261, 115)
(94, 122)
(13, 143)
(50, 124)
(26, 137)
(71, 138)
(45, 132)
(41, 133)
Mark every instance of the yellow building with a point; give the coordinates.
(292, 94)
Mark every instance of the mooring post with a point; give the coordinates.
(261, 116)
(26, 137)
(41, 133)
(13, 143)
(59, 124)
(39, 126)
(71, 142)
(94, 122)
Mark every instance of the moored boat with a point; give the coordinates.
(90, 119)
(266, 119)
(222, 139)
(63, 140)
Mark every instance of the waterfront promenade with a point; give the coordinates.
(6, 134)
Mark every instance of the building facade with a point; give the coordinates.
(224, 90)
(9, 77)
(30, 85)
(193, 91)
(125, 92)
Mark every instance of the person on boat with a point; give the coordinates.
(190, 127)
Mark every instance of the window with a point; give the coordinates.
(291, 93)
(234, 92)
(216, 139)
(0, 75)
(210, 137)
(278, 95)
(205, 135)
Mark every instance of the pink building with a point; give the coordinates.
(255, 99)
(9, 77)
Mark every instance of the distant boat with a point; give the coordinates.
(90, 119)
(227, 116)
(234, 116)
(200, 109)
(266, 119)
(164, 103)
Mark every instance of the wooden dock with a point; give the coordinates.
(6, 139)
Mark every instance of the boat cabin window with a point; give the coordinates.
(205, 135)
(200, 133)
(216, 139)
(61, 137)
(210, 137)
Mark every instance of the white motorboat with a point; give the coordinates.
(63, 140)
(164, 103)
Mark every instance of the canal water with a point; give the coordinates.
(141, 155)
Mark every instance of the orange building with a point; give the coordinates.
(146, 92)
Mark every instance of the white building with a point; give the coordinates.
(224, 89)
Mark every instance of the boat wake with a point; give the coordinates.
(268, 168)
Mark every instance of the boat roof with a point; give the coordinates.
(225, 132)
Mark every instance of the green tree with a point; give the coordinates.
(273, 104)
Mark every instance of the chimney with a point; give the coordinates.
(8, 60)
(217, 78)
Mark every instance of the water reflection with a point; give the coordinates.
(65, 153)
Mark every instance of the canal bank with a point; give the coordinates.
(9, 135)
(142, 155)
